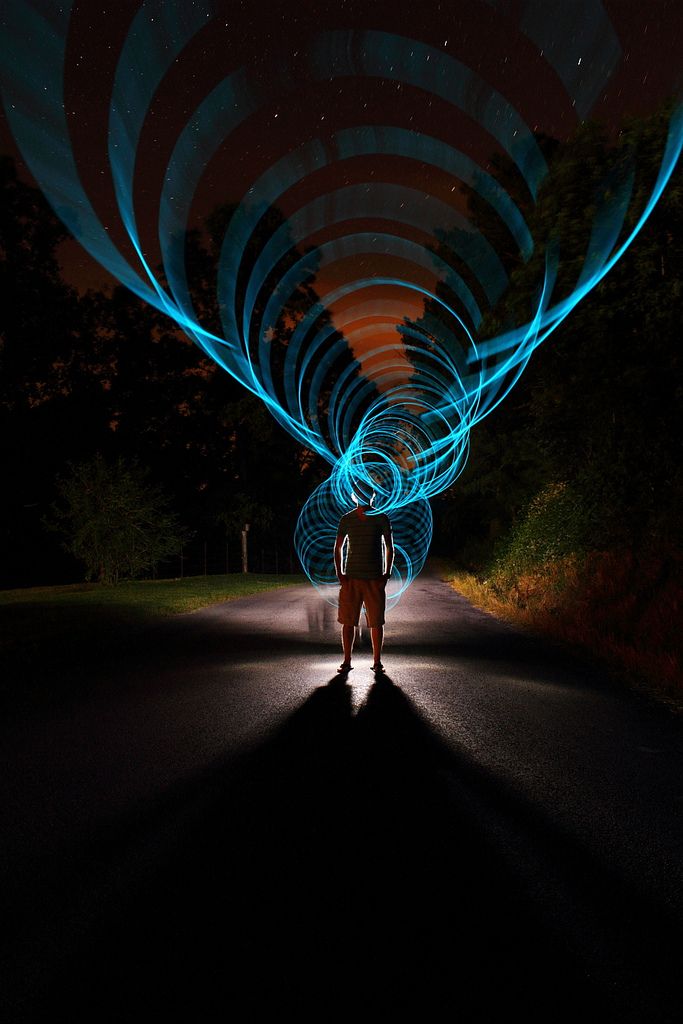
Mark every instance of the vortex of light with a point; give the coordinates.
(397, 420)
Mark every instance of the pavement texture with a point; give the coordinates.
(219, 826)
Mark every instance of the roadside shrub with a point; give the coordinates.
(114, 520)
(551, 530)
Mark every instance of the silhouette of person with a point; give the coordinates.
(364, 575)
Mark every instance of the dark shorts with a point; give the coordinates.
(353, 593)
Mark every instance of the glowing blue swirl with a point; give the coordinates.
(316, 532)
(401, 429)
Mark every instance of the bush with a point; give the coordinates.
(113, 520)
(552, 528)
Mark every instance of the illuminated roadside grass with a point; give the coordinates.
(57, 625)
(585, 604)
(159, 597)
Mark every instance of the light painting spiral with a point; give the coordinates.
(399, 420)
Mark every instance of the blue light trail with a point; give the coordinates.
(397, 418)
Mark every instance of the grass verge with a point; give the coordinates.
(624, 613)
(48, 627)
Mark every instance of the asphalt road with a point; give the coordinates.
(220, 821)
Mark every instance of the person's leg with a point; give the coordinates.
(377, 637)
(348, 633)
(375, 604)
(349, 611)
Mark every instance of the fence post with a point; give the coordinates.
(245, 561)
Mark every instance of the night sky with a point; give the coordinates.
(484, 36)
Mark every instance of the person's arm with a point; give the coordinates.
(338, 545)
(388, 552)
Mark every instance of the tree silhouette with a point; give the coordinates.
(113, 520)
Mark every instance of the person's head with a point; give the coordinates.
(363, 495)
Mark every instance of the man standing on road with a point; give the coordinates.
(363, 580)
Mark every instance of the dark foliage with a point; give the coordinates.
(598, 408)
(102, 373)
(113, 521)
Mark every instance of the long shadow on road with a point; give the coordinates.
(356, 860)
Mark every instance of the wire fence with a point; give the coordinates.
(212, 558)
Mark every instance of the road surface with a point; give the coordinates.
(219, 820)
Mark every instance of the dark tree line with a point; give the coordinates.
(568, 515)
(589, 442)
(104, 374)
